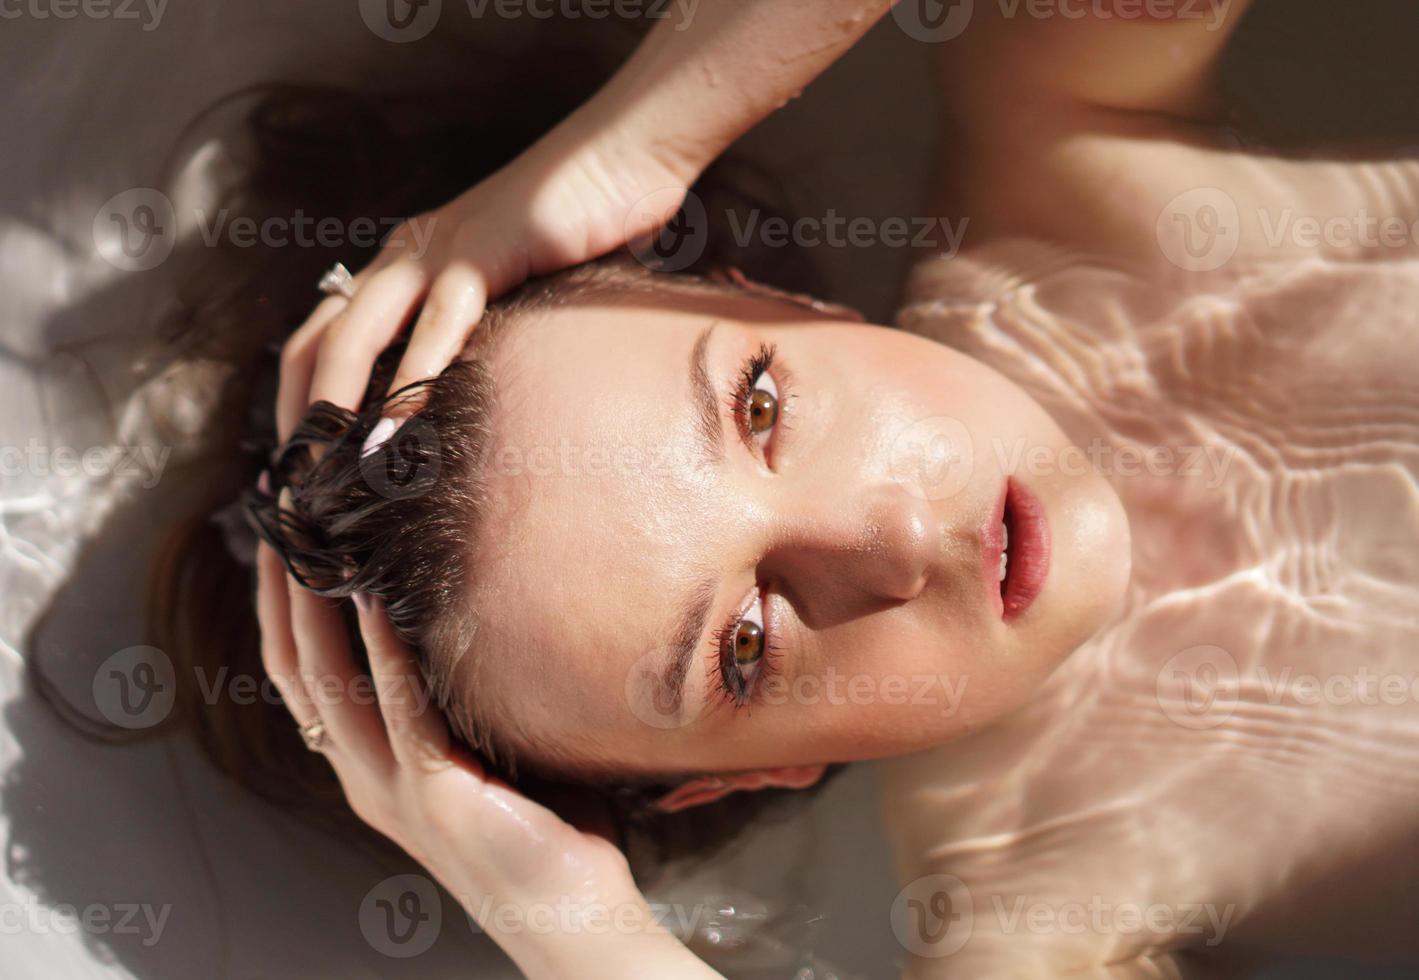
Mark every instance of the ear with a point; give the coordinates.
(707, 789)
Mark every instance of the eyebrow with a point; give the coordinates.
(694, 608)
(708, 424)
(694, 613)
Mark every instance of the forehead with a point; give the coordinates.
(599, 507)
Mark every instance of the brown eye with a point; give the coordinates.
(763, 410)
(745, 651)
(748, 642)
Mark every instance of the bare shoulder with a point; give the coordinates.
(1105, 134)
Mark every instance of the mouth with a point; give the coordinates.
(1015, 550)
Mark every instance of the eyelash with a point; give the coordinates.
(755, 368)
(726, 676)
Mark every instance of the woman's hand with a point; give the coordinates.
(612, 172)
(582, 191)
(496, 851)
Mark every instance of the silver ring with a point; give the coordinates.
(338, 281)
(314, 735)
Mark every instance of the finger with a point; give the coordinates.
(350, 345)
(298, 365)
(343, 697)
(416, 729)
(278, 643)
(451, 311)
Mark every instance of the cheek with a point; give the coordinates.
(1090, 559)
(913, 677)
(909, 388)
(900, 676)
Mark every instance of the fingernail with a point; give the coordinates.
(363, 602)
(381, 432)
(263, 482)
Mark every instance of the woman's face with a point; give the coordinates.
(698, 558)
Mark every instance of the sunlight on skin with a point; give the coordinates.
(868, 552)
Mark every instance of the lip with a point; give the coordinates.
(1024, 516)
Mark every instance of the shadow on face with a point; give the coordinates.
(727, 533)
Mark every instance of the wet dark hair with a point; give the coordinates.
(396, 523)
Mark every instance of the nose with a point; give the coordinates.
(842, 553)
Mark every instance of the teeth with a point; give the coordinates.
(1004, 544)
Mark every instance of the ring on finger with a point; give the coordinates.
(314, 735)
(337, 281)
